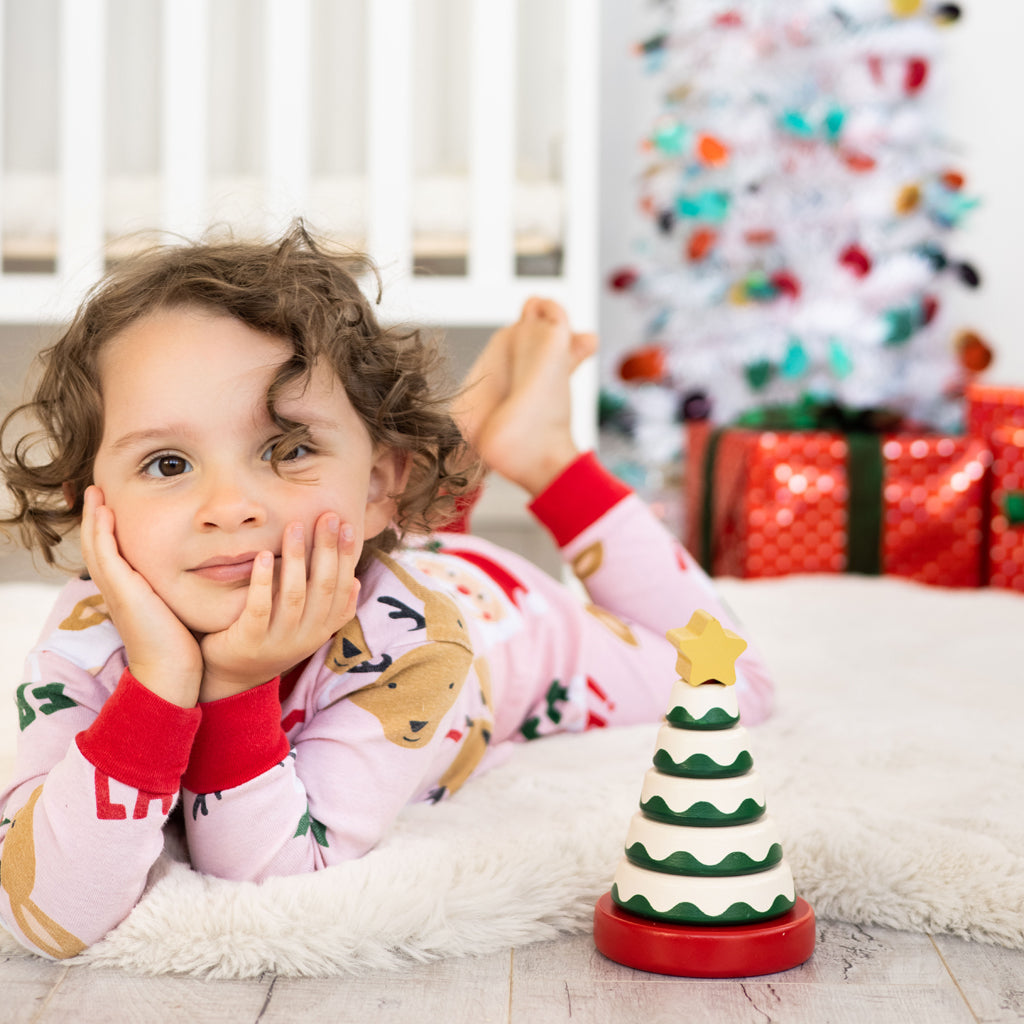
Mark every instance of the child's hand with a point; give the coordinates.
(162, 654)
(274, 633)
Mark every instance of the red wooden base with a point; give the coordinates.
(708, 951)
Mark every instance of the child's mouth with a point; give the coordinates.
(233, 569)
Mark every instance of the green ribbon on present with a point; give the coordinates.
(1013, 507)
(865, 471)
(865, 468)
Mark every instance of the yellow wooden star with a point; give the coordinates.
(707, 651)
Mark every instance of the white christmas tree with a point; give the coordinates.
(799, 197)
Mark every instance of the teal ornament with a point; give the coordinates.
(688, 206)
(759, 373)
(711, 206)
(796, 361)
(839, 360)
(834, 121)
(796, 124)
(671, 138)
(900, 325)
(759, 287)
(950, 212)
(714, 206)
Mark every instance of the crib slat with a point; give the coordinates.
(580, 267)
(82, 121)
(389, 136)
(287, 97)
(581, 156)
(184, 105)
(492, 141)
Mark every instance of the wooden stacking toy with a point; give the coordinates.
(704, 890)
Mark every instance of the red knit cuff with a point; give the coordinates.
(240, 738)
(578, 497)
(140, 739)
(464, 503)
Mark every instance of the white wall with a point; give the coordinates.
(984, 83)
(986, 90)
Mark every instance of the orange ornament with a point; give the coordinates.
(701, 242)
(712, 151)
(647, 364)
(973, 353)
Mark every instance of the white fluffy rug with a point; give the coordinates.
(894, 767)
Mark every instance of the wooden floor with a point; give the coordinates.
(870, 975)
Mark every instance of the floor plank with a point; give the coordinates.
(990, 977)
(855, 975)
(90, 995)
(468, 989)
(26, 982)
(871, 955)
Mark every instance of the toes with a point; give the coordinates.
(582, 346)
(545, 310)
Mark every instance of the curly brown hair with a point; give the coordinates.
(296, 289)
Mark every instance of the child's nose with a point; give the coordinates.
(229, 504)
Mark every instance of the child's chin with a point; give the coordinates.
(215, 620)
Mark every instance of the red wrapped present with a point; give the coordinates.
(768, 503)
(1006, 537)
(990, 406)
(996, 413)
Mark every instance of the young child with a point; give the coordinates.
(271, 628)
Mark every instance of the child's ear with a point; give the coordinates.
(389, 476)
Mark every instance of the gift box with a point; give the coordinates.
(772, 502)
(990, 406)
(996, 414)
(1006, 523)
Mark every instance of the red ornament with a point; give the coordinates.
(953, 180)
(929, 307)
(856, 260)
(860, 163)
(623, 279)
(729, 19)
(644, 365)
(786, 282)
(915, 75)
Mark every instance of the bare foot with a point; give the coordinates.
(527, 435)
(486, 386)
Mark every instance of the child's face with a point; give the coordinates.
(184, 459)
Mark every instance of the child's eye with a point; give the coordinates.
(300, 451)
(163, 466)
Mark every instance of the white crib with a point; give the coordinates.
(335, 99)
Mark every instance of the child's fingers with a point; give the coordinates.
(323, 565)
(99, 546)
(332, 570)
(259, 601)
(292, 583)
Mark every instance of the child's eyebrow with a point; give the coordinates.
(151, 435)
